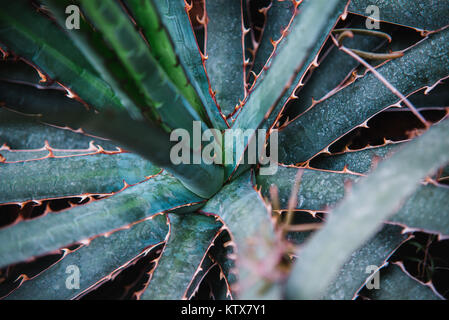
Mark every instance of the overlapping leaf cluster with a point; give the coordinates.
(86, 178)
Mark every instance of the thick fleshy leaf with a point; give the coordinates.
(182, 47)
(175, 18)
(395, 284)
(355, 273)
(293, 56)
(29, 34)
(147, 19)
(423, 65)
(142, 67)
(333, 68)
(35, 237)
(105, 61)
(206, 266)
(426, 15)
(426, 210)
(29, 99)
(357, 218)
(321, 190)
(65, 176)
(278, 17)
(13, 156)
(222, 254)
(318, 189)
(360, 161)
(21, 132)
(94, 262)
(186, 248)
(224, 51)
(247, 218)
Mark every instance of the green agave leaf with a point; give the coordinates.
(12, 156)
(417, 212)
(150, 20)
(395, 284)
(357, 217)
(360, 161)
(333, 69)
(186, 248)
(202, 271)
(224, 51)
(279, 15)
(135, 56)
(222, 255)
(102, 58)
(100, 259)
(247, 218)
(29, 34)
(174, 17)
(293, 56)
(29, 99)
(35, 237)
(423, 65)
(21, 132)
(426, 15)
(320, 190)
(353, 275)
(64, 176)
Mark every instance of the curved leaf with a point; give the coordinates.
(190, 237)
(147, 18)
(360, 161)
(320, 190)
(395, 284)
(29, 34)
(279, 15)
(374, 253)
(149, 78)
(101, 258)
(64, 176)
(53, 231)
(358, 216)
(224, 51)
(21, 132)
(175, 18)
(247, 219)
(426, 15)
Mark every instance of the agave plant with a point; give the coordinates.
(92, 90)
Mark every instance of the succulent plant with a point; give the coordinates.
(92, 91)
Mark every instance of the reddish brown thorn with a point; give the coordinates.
(188, 6)
(5, 54)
